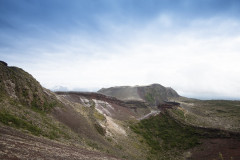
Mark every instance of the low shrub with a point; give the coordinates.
(163, 133)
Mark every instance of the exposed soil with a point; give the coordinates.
(74, 97)
(76, 122)
(121, 110)
(16, 145)
(152, 113)
(213, 149)
(114, 110)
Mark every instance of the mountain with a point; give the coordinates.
(152, 94)
(59, 88)
(134, 123)
(70, 125)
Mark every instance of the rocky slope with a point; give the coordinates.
(152, 94)
(93, 122)
(109, 106)
(36, 123)
(19, 86)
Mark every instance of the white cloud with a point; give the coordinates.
(164, 20)
(200, 60)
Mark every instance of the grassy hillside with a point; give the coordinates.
(221, 114)
(28, 107)
(167, 139)
(107, 125)
(24, 104)
(19, 86)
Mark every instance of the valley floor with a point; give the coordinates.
(16, 145)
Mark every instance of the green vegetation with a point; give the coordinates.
(93, 145)
(98, 115)
(179, 113)
(55, 132)
(162, 133)
(25, 93)
(95, 116)
(222, 114)
(11, 120)
(149, 97)
(47, 106)
(224, 107)
(118, 146)
(2, 92)
(51, 131)
(109, 139)
(100, 129)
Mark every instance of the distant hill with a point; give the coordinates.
(132, 123)
(152, 94)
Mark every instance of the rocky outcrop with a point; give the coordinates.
(20, 86)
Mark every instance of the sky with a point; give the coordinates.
(192, 46)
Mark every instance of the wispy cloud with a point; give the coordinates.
(197, 54)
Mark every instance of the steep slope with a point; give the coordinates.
(38, 124)
(107, 125)
(108, 106)
(18, 145)
(91, 123)
(24, 104)
(152, 94)
(19, 86)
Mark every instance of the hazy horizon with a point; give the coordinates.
(201, 97)
(191, 46)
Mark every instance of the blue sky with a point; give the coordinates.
(191, 45)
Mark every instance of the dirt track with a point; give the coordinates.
(16, 145)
